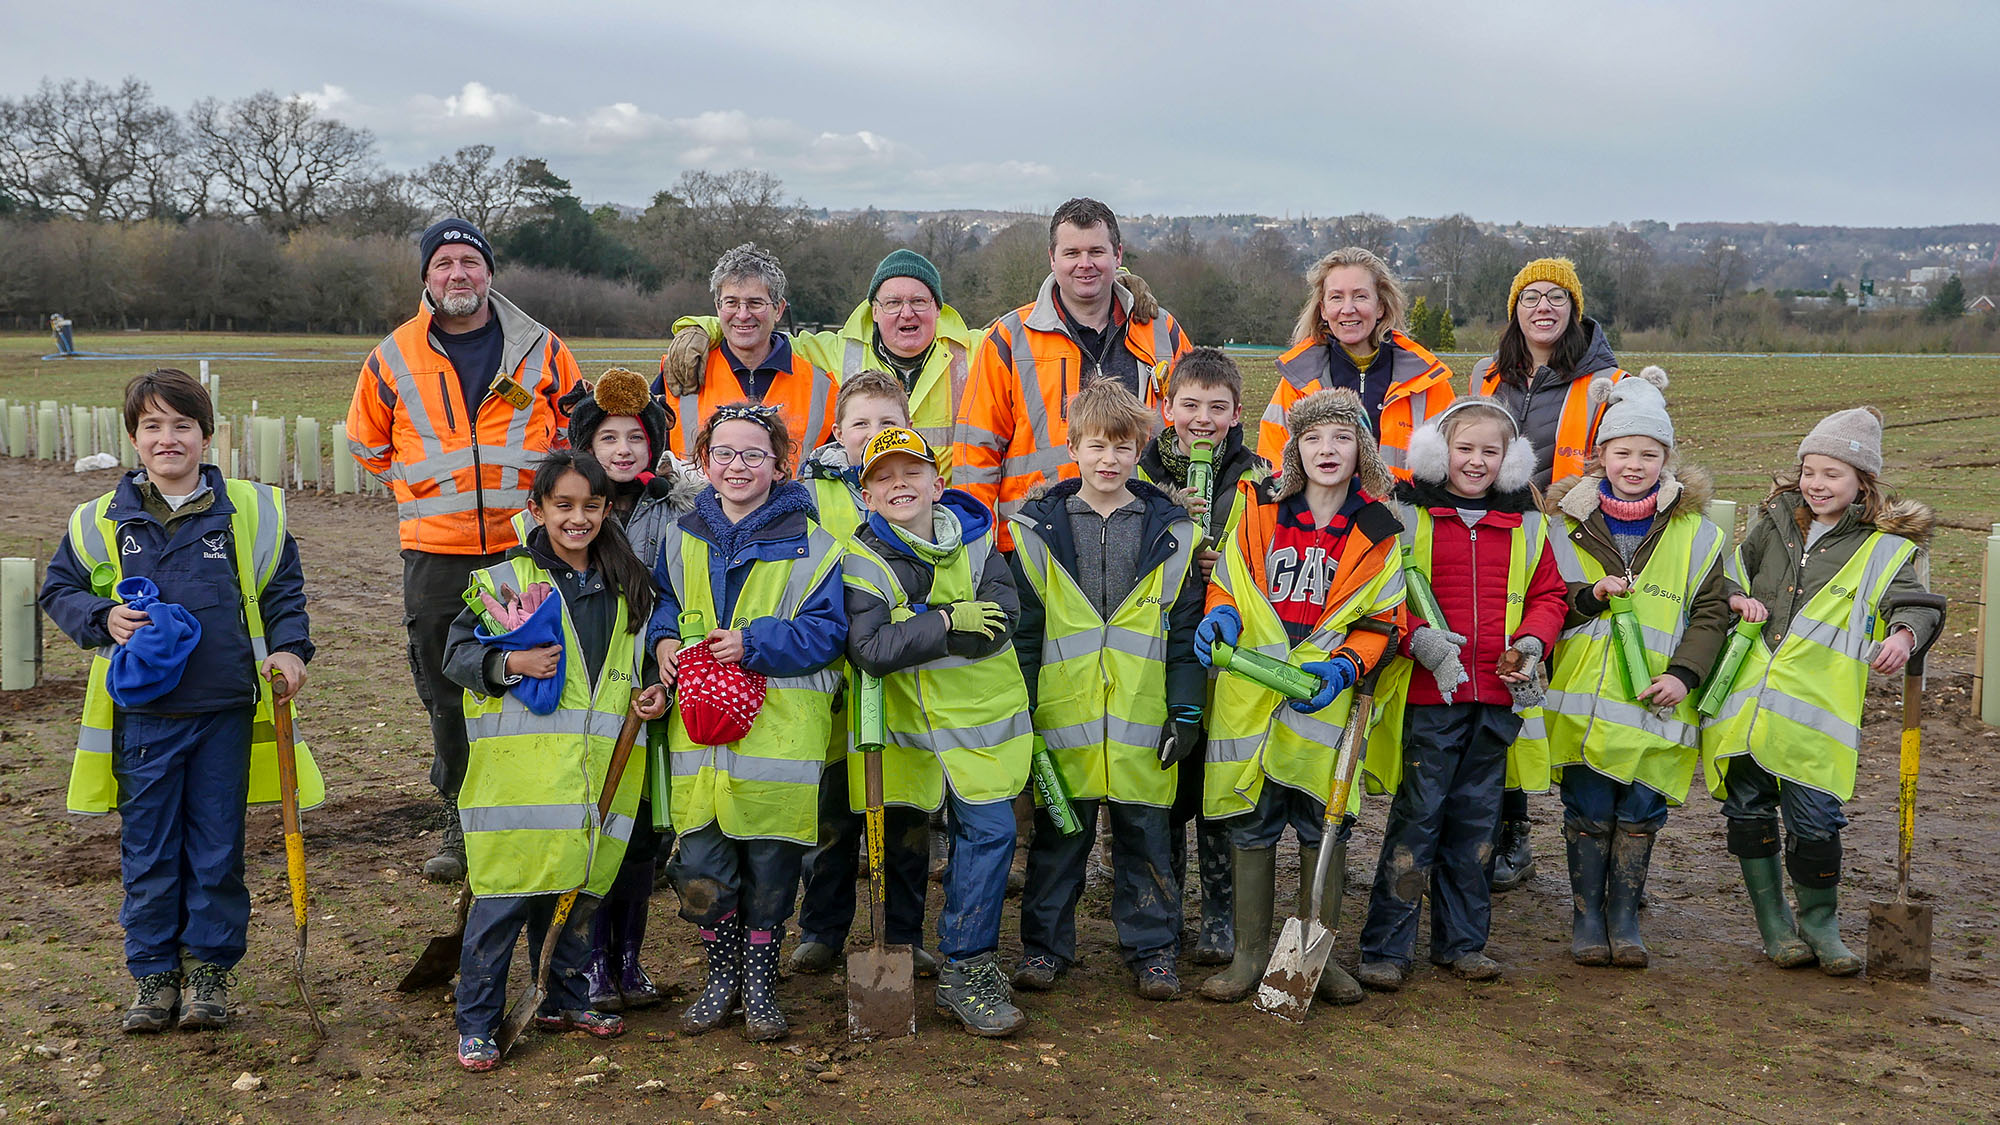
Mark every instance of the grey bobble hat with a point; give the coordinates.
(1853, 436)
(1637, 409)
(1338, 405)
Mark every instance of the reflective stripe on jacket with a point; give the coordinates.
(803, 396)
(1421, 388)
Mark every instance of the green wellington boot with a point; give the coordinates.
(1589, 860)
(1335, 985)
(1819, 925)
(1763, 877)
(1631, 855)
(1255, 876)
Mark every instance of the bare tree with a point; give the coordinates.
(1448, 248)
(91, 151)
(388, 203)
(277, 157)
(470, 185)
(1368, 231)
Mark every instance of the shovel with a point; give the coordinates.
(1305, 943)
(439, 961)
(1899, 932)
(530, 1002)
(881, 980)
(295, 845)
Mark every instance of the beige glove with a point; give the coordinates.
(681, 367)
(1144, 306)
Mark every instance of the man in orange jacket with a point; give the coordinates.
(453, 411)
(1013, 422)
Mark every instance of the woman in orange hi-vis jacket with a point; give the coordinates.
(1541, 374)
(1349, 335)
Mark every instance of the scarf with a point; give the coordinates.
(1627, 517)
(945, 528)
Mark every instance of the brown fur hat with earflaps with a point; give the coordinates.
(1317, 409)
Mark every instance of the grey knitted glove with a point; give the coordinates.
(1438, 651)
(1532, 692)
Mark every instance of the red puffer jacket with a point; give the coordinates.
(1469, 575)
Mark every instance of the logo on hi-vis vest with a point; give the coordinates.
(1654, 590)
(1839, 591)
(214, 544)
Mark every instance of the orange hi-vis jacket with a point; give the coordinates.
(1576, 434)
(804, 398)
(1013, 421)
(458, 475)
(1371, 545)
(1420, 387)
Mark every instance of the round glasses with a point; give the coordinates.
(1553, 298)
(917, 306)
(751, 458)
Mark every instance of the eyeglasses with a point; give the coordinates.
(1554, 298)
(751, 458)
(751, 305)
(917, 306)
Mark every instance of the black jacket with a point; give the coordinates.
(879, 646)
(1187, 681)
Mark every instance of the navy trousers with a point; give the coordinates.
(492, 926)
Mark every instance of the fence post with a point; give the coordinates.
(20, 626)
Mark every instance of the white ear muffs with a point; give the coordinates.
(1518, 467)
(1430, 459)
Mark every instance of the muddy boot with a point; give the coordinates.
(208, 998)
(634, 986)
(975, 990)
(813, 958)
(1631, 855)
(763, 1022)
(1589, 864)
(1335, 985)
(724, 945)
(1256, 886)
(597, 972)
(1815, 869)
(1513, 856)
(156, 1005)
(1763, 878)
(448, 865)
(1217, 943)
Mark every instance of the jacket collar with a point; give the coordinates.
(520, 333)
(128, 504)
(951, 327)
(1046, 317)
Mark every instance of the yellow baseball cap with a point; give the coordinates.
(895, 440)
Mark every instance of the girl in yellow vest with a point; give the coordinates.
(1630, 527)
(533, 781)
(752, 577)
(869, 403)
(1817, 562)
(179, 569)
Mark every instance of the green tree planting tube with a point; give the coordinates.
(1630, 645)
(1049, 791)
(1284, 678)
(871, 729)
(659, 775)
(1423, 600)
(1723, 676)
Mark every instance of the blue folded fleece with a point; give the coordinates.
(150, 664)
(543, 627)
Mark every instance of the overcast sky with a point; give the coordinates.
(1541, 111)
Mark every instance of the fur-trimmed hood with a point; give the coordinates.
(1683, 488)
(1912, 519)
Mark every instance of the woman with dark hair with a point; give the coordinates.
(1541, 374)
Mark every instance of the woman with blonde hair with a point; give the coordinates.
(1350, 334)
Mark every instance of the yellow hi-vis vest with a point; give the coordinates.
(1100, 694)
(933, 400)
(957, 720)
(1592, 718)
(839, 512)
(766, 784)
(532, 782)
(1797, 711)
(259, 521)
(1528, 757)
(1253, 736)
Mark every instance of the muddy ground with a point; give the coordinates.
(1710, 1033)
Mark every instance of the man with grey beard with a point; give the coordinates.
(453, 411)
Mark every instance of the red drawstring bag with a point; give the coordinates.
(718, 701)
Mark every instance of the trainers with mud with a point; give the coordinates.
(477, 1053)
(208, 999)
(976, 992)
(1158, 981)
(1038, 974)
(602, 1025)
(813, 957)
(156, 1005)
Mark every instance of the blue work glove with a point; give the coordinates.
(1335, 676)
(1221, 624)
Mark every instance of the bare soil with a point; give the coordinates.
(1711, 1032)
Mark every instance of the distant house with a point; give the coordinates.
(1925, 274)
(1980, 304)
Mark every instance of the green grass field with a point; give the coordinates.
(1741, 417)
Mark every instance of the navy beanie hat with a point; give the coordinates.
(450, 230)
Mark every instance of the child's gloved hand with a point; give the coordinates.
(1181, 736)
(1525, 683)
(1221, 624)
(1439, 651)
(1335, 676)
(984, 618)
